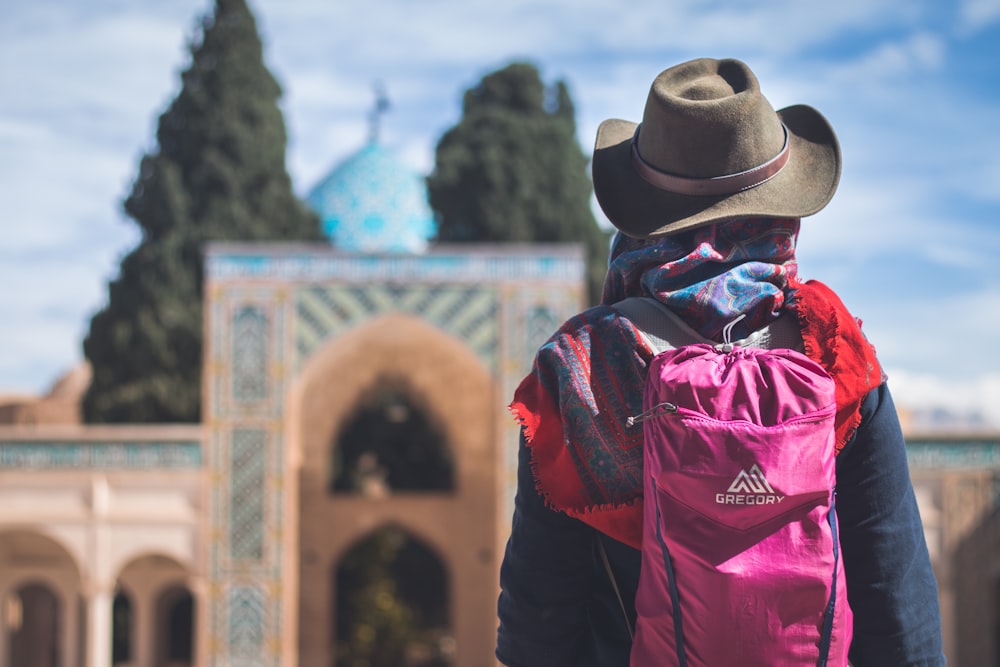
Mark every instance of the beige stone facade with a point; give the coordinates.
(90, 516)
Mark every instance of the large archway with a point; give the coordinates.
(390, 594)
(397, 424)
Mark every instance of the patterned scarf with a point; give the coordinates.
(588, 377)
(711, 275)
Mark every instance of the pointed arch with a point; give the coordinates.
(390, 441)
(390, 600)
(443, 370)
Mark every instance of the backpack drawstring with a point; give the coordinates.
(727, 344)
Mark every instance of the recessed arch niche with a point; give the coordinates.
(39, 595)
(33, 617)
(175, 614)
(390, 441)
(439, 378)
(153, 612)
(390, 603)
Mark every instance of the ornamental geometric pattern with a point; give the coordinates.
(249, 354)
(953, 454)
(467, 312)
(146, 455)
(372, 202)
(246, 626)
(540, 324)
(246, 499)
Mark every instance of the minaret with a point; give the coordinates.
(375, 115)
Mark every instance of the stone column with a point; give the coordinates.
(99, 588)
(202, 613)
(143, 627)
(99, 596)
(70, 624)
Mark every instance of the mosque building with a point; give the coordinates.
(354, 412)
(354, 404)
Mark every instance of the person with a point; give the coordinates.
(706, 195)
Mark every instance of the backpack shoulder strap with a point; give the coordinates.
(659, 326)
(662, 329)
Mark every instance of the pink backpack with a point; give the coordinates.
(740, 556)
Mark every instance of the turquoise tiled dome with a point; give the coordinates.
(371, 202)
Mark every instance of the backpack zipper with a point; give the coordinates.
(655, 411)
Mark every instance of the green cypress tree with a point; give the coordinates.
(512, 170)
(218, 174)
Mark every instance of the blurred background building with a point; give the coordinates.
(352, 476)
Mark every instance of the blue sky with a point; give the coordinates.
(912, 87)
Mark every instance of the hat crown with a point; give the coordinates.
(707, 118)
(710, 147)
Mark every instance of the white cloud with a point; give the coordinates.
(976, 397)
(950, 334)
(977, 15)
(919, 51)
(49, 298)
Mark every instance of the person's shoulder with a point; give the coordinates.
(596, 321)
(816, 291)
(594, 316)
(597, 327)
(820, 308)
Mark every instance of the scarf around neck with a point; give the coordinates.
(712, 275)
(588, 377)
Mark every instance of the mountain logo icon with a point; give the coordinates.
(752, 481)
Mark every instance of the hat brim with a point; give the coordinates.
(803, 187)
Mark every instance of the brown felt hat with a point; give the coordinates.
(710, 147)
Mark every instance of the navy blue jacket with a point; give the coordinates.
(557, 607)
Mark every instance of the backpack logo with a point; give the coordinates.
(749, 488)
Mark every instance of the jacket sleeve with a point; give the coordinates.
(545, 581)
(890, 583)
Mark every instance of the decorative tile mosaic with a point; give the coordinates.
(249, 354)
(954, 454)
(540, 323)
(372, 202)
(35, 455)
(247, 626)
(528, 266)
(246, 508)
(467, 312)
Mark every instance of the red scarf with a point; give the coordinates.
(590, 374)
